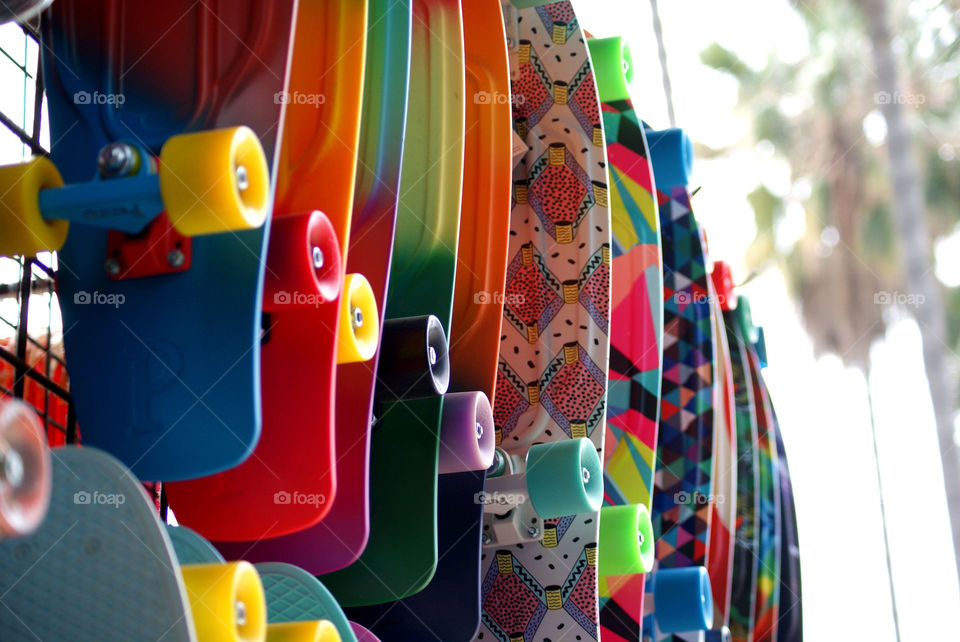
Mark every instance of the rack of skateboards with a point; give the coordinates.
(409, 312)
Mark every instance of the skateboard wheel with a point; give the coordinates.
(466, 433)
(362, 634)
(612, 67)
(306, 631)
(303, 262)
(564, 478)
(215, 181)
(683, 599)
(718, 635)
(25, 470)
(25, 231)
(671, 154)
(359, 330)
(227, 601)
(626, 540)
(413, 359)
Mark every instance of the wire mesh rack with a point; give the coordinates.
(32, 364)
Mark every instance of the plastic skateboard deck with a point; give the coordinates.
(636, 325)
(289, 482)
(184, 387)
(103, 552)
(405, 441)
(686, 441)
(768, 515)
(742, 595)
(551, 380)
(790, 620)
(338, 539)
(292, 594)
(448, 608)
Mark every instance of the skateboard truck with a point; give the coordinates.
(552, 480)
(205, 182)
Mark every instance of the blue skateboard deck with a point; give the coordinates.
(164, 368)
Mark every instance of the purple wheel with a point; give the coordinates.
(362, 634)
(466, 433)
(25, 470)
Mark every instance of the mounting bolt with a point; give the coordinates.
(243, 179)
(112, 266)
(432, 355)
(317, 257)
(116, 159)
(585, 474)
(479, 431)
(486, 539)
(11, 468)
(357, 317)
(241, 613)
(533, 531)
(176, 258)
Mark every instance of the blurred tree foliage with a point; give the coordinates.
(816, 113)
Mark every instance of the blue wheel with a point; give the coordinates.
(671, 153)
(683, 599)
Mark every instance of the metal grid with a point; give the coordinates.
(31, 335)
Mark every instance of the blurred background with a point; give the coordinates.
(826, 137)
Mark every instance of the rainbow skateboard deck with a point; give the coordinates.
(339, 538)
(790, 620)
(540, 556)
(288, 484)
(636, 327)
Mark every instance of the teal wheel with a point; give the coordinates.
(671, 153)
(564, 478)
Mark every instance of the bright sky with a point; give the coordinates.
(823, 407)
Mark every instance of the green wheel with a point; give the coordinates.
(612, 67)
(564, 478)
(626, 540)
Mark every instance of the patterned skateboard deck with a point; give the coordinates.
(682, 512)
(636, 328)
(767, 602)
(551, 382)
(790, 620)
(742, 592)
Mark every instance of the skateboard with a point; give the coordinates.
(413, 370)
(725, 459)
(790, 620)
(104, 555)
(683, 489)
(338, 539)
(636, 328)
(448, 608)
(540, 535)
(25, 470)
(158, 253)
(308, 325)
(768, 504)
(745, 560)
(292, 594)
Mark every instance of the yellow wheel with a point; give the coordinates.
(359, 331)
(227, 601)
(215, 181)
(308, 631)
(23, 229)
